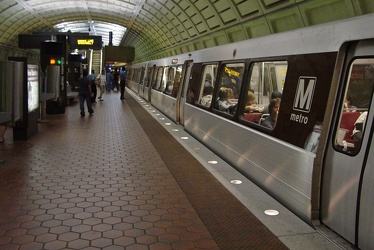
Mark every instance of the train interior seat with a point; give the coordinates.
(252, 117)
(347, 124)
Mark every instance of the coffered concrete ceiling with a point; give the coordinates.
(158, 28)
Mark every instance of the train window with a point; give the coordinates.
(136, 75)
(354, 109)
(207, 84)
(147, 78)
(169, 80)
(264, 92)
(229, 87)
(193, 83)
(158, 78)
(154, 77)
(142, 76)
(129, 74)
(173, 80)
(177, 81)
(164, 79)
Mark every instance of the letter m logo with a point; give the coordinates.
(304, 93)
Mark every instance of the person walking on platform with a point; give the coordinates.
(122, 77)
(91, 77)
(85, 94)
(101, 81)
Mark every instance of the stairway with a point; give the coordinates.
(96, 61)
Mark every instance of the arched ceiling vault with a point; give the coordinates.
(158, 28)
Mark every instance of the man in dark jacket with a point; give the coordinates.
(122, 77)
(85, 94)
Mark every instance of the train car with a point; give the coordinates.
(292, 111)
(162, 85)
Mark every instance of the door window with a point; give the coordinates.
(355, 107)
(229, 84)
(207, 84)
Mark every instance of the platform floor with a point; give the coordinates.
(128, 178)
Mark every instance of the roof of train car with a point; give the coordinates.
(317, 39)
(160, 28)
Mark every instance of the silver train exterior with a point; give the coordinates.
(308, 160)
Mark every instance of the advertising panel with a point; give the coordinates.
(33, 87)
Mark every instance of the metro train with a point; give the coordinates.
(288, 111)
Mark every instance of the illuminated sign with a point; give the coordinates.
(231, 72)
(85, 41)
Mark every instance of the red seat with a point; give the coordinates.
(348, 122)
(252, 117)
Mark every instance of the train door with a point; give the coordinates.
(186, 71)
(347, 196)
(141, 81)
(147, 81)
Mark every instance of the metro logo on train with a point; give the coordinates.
(303, 98)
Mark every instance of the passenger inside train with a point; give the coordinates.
(206, 99)
(358, 128)
(223, 102)
(250, 103)
(271, 120)
(348, 107)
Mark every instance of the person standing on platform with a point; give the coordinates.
(109, 77)
(101, 81)
(115, 80)
(85, 94)
(122, 77)
(91, 77)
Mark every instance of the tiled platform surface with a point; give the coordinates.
(94, 183)
(104, 182)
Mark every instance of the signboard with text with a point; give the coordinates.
(85, 42)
